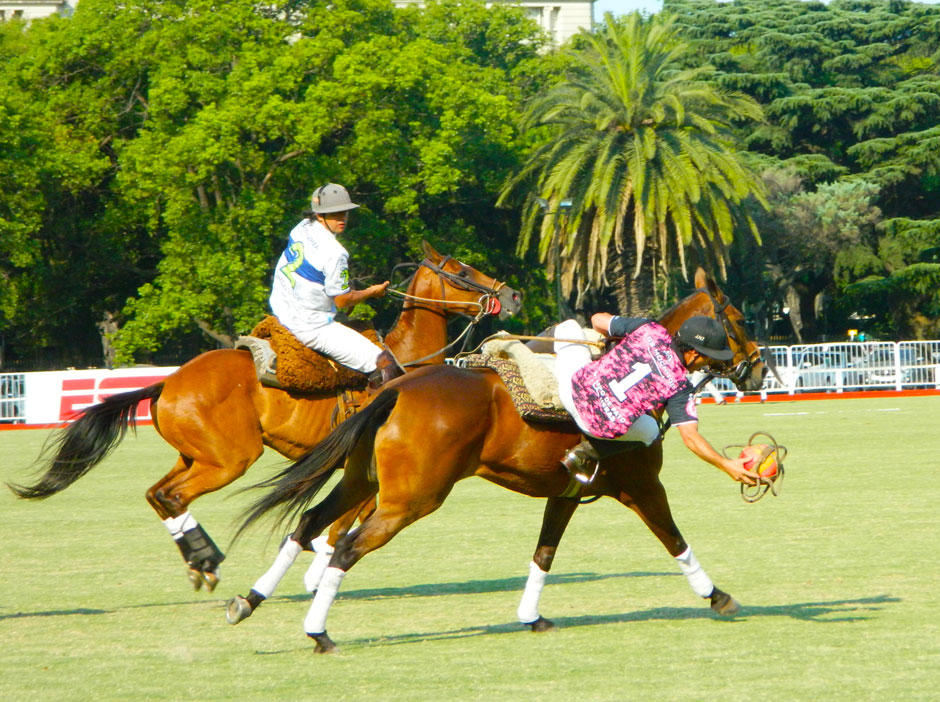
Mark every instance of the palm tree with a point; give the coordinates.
(644, 148)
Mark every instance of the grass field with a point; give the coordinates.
(836, 578)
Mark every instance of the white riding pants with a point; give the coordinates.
(570, 357)
(343, 345)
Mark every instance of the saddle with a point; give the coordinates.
(528, 375)
(282, 361)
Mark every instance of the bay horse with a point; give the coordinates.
(438, 425)
(214, 411)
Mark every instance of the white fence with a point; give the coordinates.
(853, 366)
(50, 397)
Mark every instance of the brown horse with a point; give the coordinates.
(217, 415)
(433, 427)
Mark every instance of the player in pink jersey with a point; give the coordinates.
(611, 398)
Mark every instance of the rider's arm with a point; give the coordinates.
(600, 321)
(698, 445)
(615, 325)
(354, 297)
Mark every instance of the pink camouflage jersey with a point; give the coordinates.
(642, 373)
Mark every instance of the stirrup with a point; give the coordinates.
(582, 463)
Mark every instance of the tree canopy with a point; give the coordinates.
(644, 148)
(154, 155)
(850, 90)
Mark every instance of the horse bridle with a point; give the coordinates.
(488, 301)
(742, 369)
(489, 298)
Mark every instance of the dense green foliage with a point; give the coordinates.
(169, 148)
(154, 155)
(851, 91)
(645, 151)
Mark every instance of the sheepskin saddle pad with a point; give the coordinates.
(527, 375)
(281, 361)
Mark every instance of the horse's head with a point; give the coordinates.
(746, 368)
(457, 287)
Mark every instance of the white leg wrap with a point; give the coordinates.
(528, 610)
(315, 572)
(698, 579)
(177, 525)
(321, 544)
(315, 621)
(285, 558)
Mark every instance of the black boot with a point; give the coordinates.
(386, 368)
(581, 462)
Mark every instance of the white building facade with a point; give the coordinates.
(561, 19)
(34, 9)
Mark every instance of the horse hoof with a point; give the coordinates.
(211, 579)
(541, 625)
(195, 578)
(724, 604)
(237, 609)
(324, 643)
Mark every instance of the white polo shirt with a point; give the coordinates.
(313, 269)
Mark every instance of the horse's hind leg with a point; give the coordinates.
(388, 519)
(171, 496)
(324, 545)
(558, 512)
(311, 523)
(645, 495)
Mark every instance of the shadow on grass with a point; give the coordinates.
(471, 587)
(55, 613)
(845, 610)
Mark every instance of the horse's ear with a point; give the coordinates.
(704, 281)
(429, 252)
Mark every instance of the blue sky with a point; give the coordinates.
(620, 7)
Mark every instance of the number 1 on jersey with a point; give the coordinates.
(620, 387)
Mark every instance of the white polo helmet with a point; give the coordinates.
(331, 198)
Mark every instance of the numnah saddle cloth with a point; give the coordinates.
(281, 361)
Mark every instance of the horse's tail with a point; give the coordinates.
(86, 442)
(295, 486)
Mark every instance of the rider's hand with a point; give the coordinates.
(378, 290)
(735, 468)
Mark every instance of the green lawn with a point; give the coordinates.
(836, 579)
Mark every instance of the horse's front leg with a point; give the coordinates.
(644, 494)
(558, 511)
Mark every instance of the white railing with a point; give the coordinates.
(12, 398)
(55, 396)
(852, 366)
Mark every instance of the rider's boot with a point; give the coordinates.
(581, 462)
(386, 368)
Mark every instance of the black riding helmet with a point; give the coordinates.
(707, 336)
